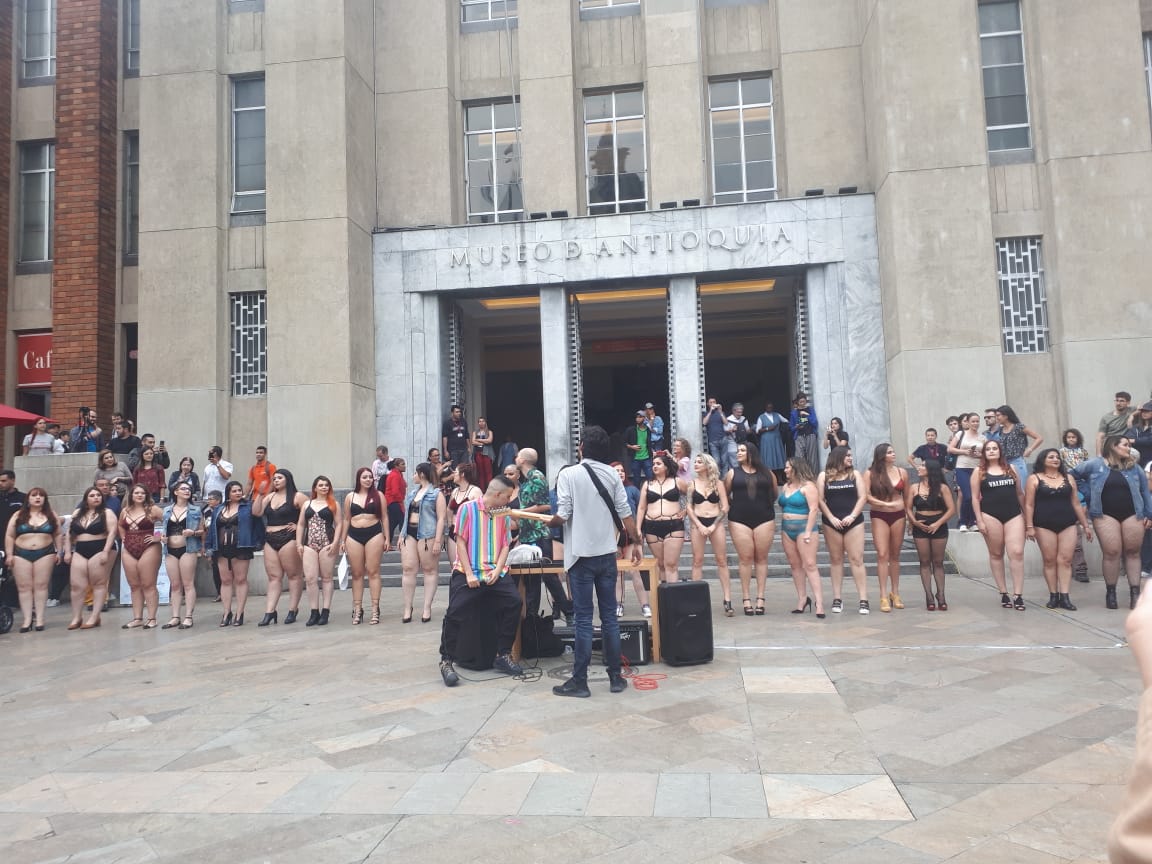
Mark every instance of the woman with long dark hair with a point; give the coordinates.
(234, 535)
(280, 510)
(624, 553)
(318, 534)
(842, 499)
(1014, 437)
(998, 499)
(185, 473)
(482, 453)
(425, 513)
(464, 489)
(661, 517)
(1051, 513)
(89, 549)
(39, 442)
(366, 539)
(885, 482)
(1072, 454)
(928, 504)
(751, 519)
(799, 504)
(835, 436)
(30, 544)
(149, 474)
(1120, 507)
(182, 532)
(141, 556)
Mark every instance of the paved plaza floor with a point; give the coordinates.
(976, 735)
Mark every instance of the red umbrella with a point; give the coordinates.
(10, 416)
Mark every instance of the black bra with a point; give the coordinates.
(697, 498)
(671, 495)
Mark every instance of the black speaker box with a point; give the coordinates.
(635, 642)
(685, 623)
(476, 639)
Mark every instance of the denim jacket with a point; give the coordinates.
(426, 529)
(249, 529)
(1094, 473)
(193, 544)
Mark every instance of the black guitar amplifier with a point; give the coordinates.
(636, 642)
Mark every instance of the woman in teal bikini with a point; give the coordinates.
(799, 503)
(30, 545)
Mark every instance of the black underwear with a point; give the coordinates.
(88, 548)
(662, 528)
(363, 535)
(277, 540)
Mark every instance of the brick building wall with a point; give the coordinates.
(84, 250)
(5, 184)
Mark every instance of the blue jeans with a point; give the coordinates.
(641, 470)
(718, 450)
(595, 574)
(964, 482)
(1020, 464)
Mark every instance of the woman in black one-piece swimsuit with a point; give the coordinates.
(280, 509)
(1051, 512)
(997, 499)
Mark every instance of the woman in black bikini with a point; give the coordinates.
(842, 497)
(318, 534)
(182, 532)
(661, 517)
(929, 505)
(1051, 513)
(281, 511)
(234, 535)
(30, 545)
(751, 520)
(366, 539)
(88, 548)
(707, 507)
(885, 482)
(998, 501)
(141, 554)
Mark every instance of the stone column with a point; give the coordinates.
(685, 362)
(557, 378)
(5, 179)
(846, 352)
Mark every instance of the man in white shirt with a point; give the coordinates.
(217, 472)
(590, 554)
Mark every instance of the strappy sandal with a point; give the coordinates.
(748, 610)
(728, 613)
(186, 624)
(151, 625)
(1018, 603)
(375, 619)
(357, 614)
(759, 605)
(172, 622)
(134, 624)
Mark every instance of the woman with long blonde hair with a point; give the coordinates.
(707, 507)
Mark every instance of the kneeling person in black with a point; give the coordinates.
(480, 576)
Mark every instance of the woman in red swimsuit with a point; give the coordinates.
(141, 554)
(885, 482)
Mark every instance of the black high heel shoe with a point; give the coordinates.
(323, 617)
(807, 605)
(728, 613)
(748, 610)
(239, 620)
(313, 618)
(269, 618)
(760, 605)
(226, 620)
(290, 618)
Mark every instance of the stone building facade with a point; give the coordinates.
(354, 213)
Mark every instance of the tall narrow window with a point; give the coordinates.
(487, 10)
(248, 193)
(1005, 84)
(492, 167)
(743, 140)
(249, 319)
(1148, 66)
(131, 193)
(1023, 299)
(614, 144)
(132, 36)
(37, 194)
(39, 39)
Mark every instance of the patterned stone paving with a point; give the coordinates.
(975, 735)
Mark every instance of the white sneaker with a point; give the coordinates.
(963, 529)
(51, 603)
(619, 610)
(646, 610)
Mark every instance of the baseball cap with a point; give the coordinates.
(1147, 406)
(649, 405)
(640, 413)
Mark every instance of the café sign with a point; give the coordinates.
(34, 360)
(665, 243)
